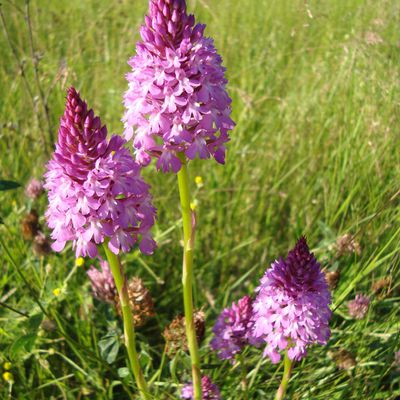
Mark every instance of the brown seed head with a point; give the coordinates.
(48, 325)
(344, 359)
(140, 302)
(382, 286)
(332, 279)
(175, 332)
(41, 245)
(30, 225)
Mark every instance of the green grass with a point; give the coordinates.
(315, 152)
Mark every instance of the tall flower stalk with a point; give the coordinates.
(98, 198)
(287, 372)
(177, 109)
(187, 275)
(129, 330)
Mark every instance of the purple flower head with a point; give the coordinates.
(358, 307)
(95, 190)
(291, 310)
(232, 329)
(210, 391)
(34, 189)
(176, 101)
(103, 286)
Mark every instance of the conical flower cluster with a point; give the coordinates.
(209, 390)
(176, 101)
(291, 310)
(103, 286)
(232, 329)
(95, 190)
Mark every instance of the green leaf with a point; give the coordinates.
(33, 323)
(23, 343)
(145, 357)
(173, 365)
(109, 346)
(8, 185)
(123, 372)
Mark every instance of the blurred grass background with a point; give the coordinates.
(315, 88)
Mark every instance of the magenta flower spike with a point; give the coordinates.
(103, 285)
(95, 191)
(291, 310)
(210, 390)
(176, 101)
(233, 329)
(358, 307)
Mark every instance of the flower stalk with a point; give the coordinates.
(129, 331)
(288, 367)
(187, 275)
(243, 371)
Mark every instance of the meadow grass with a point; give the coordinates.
(315, 88)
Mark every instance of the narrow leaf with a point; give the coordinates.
(8, 185)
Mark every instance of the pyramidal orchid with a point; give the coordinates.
(95, 190)
(97, 197)
(177, 109)
(176, 101)
(291, 310)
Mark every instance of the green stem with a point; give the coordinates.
(288, 366)
(187, 276)
(244, 376)
(129, 330)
